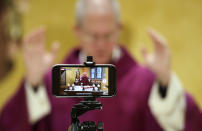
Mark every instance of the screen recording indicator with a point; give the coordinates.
(84, 81)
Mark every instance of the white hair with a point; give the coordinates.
(82, 5)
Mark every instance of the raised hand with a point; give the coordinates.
(37, 60)
(160, 60)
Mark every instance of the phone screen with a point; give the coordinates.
(81, 81)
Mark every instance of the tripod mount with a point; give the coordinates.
(81, 108)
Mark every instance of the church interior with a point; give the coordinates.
(84, 80)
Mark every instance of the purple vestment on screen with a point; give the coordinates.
(127, 111)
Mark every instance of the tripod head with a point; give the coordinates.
(81, 108)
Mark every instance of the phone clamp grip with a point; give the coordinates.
(89, 61)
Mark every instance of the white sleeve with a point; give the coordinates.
(169, 111)
(37, 103)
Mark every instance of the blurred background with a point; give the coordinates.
(179, 21)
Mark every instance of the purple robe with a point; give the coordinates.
(127, 111)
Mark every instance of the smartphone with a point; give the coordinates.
(69, 80)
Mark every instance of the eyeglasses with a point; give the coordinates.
(93, 38)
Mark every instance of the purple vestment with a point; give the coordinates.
(127, 111)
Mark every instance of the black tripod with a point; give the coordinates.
(81, 108)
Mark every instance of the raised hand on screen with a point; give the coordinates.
(160, 60)
(36, 58)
